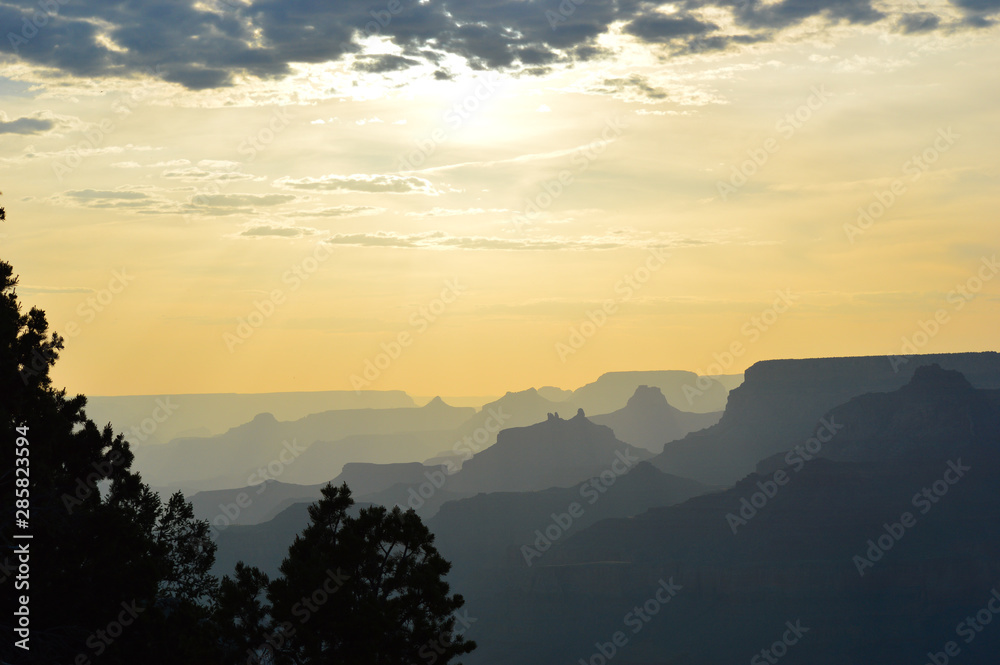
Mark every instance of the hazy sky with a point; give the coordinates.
(266, 196)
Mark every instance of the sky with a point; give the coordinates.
(466, 198)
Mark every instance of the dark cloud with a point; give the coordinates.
(979, 6)
(977, 22)
(715, 43)
(384, 63)
(589, 52)
(918, 22)
(203, 45)
(636, 83)
(787, 13)
(26, 126)
(660, 28)
(197, 78)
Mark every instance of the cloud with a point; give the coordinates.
(661, 28)
(218, 164)
(39, 290)
(206, 45)
(532, 157)
(90, 194)
(378, 64)
(918, 22)
(635, 85)
(247, 205)
(440, 240)
(42, 122)
(242, 200)
(26, 126)
(137, 165)
(452, 212)
(30, 155)
(144, 200)
(360, 182)
(640, 89)
(266, 230)
(200, 175)
(789, 13)
(341, 211)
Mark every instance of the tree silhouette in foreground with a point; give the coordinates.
(116, 575)
(366, 589)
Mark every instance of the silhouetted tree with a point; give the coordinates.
(368, 589)
(243, 616)
(105, 551)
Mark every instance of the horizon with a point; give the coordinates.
(539, 386)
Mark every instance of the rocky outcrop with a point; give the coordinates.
(781, 402)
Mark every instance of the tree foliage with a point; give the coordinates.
(102, 541)
(362, 588)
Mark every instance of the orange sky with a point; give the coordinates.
(494, 232)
